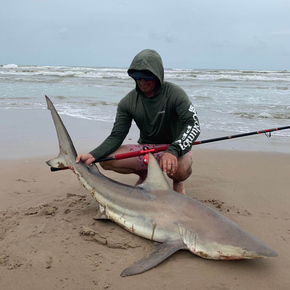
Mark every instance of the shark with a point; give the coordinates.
(154, 211)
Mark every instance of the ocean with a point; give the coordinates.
(236, 101)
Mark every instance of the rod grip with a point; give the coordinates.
(53, 169)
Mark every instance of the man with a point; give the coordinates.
(164, 115)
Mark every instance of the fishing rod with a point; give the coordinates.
(267, 132)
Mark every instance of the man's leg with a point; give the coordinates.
(136, 166)
(184, 170)
(125, 166)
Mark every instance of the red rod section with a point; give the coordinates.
(164, 148)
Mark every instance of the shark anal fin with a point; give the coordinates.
(158, 255)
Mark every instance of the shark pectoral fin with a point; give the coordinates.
(158, 255)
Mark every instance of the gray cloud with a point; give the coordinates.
(204, 34)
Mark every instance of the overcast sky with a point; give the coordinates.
(212, 34)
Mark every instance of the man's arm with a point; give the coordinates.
(190, 124)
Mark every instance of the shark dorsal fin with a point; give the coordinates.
(155, 177)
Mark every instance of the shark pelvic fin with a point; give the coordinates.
(100, 214)
(158, 255)
(155, 177)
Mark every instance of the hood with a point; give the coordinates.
(149, 59)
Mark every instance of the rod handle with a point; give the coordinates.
(53, 169)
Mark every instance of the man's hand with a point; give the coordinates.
(85, 158)
(168, 163)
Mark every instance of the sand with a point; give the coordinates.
(49, 239)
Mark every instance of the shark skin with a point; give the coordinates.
(154, 211)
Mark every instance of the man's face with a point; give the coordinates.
(147, 87)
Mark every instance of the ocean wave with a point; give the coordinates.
(103, 103)
(79, 107)
(263, 115)
(226, 80)
(63, 72)
(12, 65)
(283, 88)
(254, 71)
(202, 98)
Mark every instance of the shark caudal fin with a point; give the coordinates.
(67, 153)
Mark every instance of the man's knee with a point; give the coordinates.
(184, 169)
(114, 164)
(106, 165)
(181, 175)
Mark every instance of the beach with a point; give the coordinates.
(49, 239)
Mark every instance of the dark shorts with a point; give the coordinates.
(137, 147)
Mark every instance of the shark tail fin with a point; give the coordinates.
(67, 153)
(58, 162)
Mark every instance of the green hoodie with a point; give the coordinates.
(166, 118)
